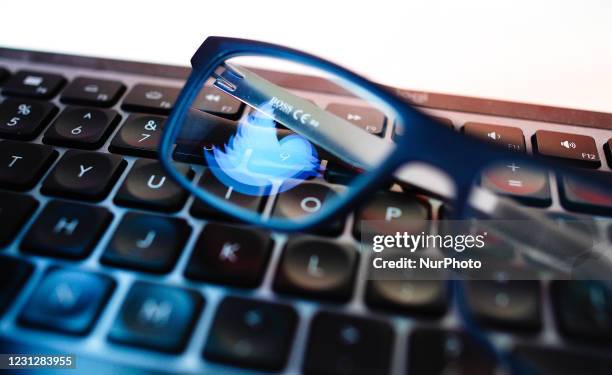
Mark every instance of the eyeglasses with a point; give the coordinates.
(272, 165)
(279, 161)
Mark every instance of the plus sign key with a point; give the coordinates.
(230, 254)
(523, 183)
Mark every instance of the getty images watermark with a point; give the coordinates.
(485, 249)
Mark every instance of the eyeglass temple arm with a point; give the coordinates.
(330, 132)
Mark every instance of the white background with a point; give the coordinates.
(547, 52)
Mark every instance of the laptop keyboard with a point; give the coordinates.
(105, 257)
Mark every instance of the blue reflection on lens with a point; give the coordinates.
(255, 159)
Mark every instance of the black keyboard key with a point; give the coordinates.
(552, 361)
(513, 304)
(139, 135)
(157, 317)
(316, 268)
(217, 102)
(229, 254)
(3, 74)
(369, 119)
(523, 183)
(82, 127)
(213, 186)
(583, 309)
(342, 344)
(148, 186)
(24, 119)
(251, 333)
(83, 175)
(15, 210)
(67, 301)
(608, 151)
(424, 297)
(582, 197)
(150, 99)
(22, 164)
(13, 274)
(576, 149)
(33, 84)
(64, 229)
(147, 242)
(436, 352)
(92, 91)
(390, 212)
(304, 200)
(508, 137)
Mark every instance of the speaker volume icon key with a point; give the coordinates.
(568, 144)
(494, 135)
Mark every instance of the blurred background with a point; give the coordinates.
(546, 52)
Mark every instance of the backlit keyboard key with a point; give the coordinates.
(22, 164)
(15, 210)
(139, 135)
(510, 304)
(555, 361)
(306, 199)
(83, 175)
(147, 242)
(583, 309)
(92, 91)
(217, 102)
(581, 197)
(148, 186)
(608, 150)
(436, 351)
(343, 344)
(574, 148)
(33, 84)
(215, 187)
(67, 301)
(82, 127)
(317, 268)
(250, 333)
(68, 230)
(228, 254)
(389, 212)
(3, 74)
(369, 119)
(505, 136)
(150, 99)
(157, 317)
(24, 119)
(425, 297)
(523, 183)
(13, 274)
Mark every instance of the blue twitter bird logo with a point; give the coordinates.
(255, 159)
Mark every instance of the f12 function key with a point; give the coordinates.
(577, 149)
